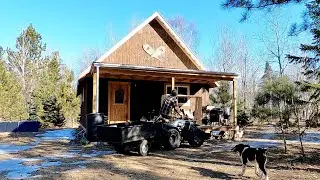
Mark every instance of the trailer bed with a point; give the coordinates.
(121, 133)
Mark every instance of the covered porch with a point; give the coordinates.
(125, 92)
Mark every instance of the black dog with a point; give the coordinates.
(257, 155)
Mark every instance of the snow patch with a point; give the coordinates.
(12, 148)
(16, 169)
(51, 163)
(59, 134)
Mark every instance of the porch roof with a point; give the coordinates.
(131, 72)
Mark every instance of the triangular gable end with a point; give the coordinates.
(152, 43)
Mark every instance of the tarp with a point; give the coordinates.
(19, 126)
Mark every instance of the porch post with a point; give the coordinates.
(172, 83)
(234, 101)
(97, 89)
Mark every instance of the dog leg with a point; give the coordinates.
(243, 170)
(263, 169)
(257, 170)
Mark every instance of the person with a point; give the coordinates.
(170, 102)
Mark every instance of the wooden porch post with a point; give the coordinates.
(95, 92)
(234, 101)
(97, 100)
(172, 83)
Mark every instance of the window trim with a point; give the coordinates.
(179, 85)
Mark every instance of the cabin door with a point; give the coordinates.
(118, 102)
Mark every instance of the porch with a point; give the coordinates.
(127, 92)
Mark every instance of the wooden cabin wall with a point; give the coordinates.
(132, 52)
(86, 104)
(201, 90)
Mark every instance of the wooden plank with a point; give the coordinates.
(109, 100)
(129, 97)
(168, 75)
(94, 93)
(234, 85)
(172, 83)
(198, 110)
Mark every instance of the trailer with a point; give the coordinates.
(141, 136)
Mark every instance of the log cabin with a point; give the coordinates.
(132, 78)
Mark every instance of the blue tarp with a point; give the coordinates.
(19, 126)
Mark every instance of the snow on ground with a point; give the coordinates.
(12, 148)
(15, 169)
(60, 134)
(20, 168)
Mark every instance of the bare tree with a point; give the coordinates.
(26, 60)
(187, 31)
(275, 38)
(92, 54)
(224, 57)
(135, 21)
(89, 56)
(111, 38)
(233, 55)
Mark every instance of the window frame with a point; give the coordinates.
(177, 86)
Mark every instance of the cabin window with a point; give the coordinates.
(181, 90)
(119, 96)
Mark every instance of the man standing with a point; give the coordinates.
(170, 102)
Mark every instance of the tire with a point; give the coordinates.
(122, 149)
(144, 148)
(196, 137)
(172, 139)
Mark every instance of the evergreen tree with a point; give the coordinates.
(267, 72)
(13, 106)
(280, 93)
(251, 5)
(311, 62)
(53, 112)
(221, 96)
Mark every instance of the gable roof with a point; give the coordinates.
(166, 27)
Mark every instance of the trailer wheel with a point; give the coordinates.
(172, 139)
(122, 149)
(144, 148)
(196, 137)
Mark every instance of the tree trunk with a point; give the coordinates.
(282, 130)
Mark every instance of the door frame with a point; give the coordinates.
(109, 98)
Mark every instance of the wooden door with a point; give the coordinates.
(118, 102)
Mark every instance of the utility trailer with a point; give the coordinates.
(141, 135)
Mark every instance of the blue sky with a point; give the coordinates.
(74, 26)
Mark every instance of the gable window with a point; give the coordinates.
(181, 90)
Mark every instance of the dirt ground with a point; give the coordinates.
(60, 160)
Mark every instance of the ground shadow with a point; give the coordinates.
(213, 174)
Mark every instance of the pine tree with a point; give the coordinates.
(222, 95)
(53, 112)
(267, 72)
(12, 104)
(311, 62)
(251, 5)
